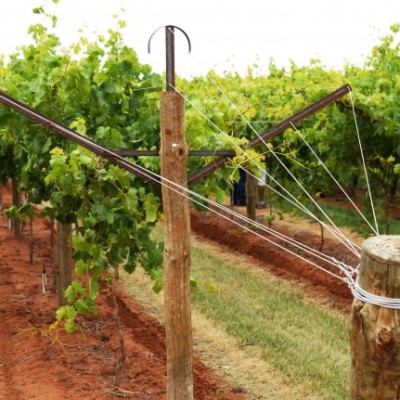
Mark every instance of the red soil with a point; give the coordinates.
(38, 364)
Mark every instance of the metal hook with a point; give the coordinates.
(168, 27)
(170, 52)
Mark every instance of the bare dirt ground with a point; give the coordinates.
(43, 365)
(38, 364)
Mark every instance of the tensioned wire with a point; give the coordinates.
(375, 230)
(333, 178)
(308, 212)
(339, 232)
(346, 273)
(333, 228)
(336, 232)
(364, 163)
(354, 247)
(371, 298)
(346, 270)
(349, 272)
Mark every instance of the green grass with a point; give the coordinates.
(345, 217)
(352, 220)
(305, 343)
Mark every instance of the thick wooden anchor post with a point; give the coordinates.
(174, 154)
(375, 330)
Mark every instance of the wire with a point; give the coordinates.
(334, 229)
(191, 195)
(339, 232)
(364, 164)
(371, 298)
(333, 178)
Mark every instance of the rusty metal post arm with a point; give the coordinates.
(67, 133)
(274, 131)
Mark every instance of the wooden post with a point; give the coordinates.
(251, 201)
(178, 324)
(64, 260)
(16, 222)
(375, 331)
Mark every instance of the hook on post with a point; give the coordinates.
(170, 52)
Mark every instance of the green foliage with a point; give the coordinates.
(100, 89)
(24, 211)
(114, 213)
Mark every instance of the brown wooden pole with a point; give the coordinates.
(178, 325)
(1, 197)
(251, 188)
(16, 201)
(374, 330)
(64, 260)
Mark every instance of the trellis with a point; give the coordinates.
(173, 155)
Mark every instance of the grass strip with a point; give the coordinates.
(345, 217)
(306, 343)
(301, 338)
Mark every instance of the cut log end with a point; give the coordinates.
(385, 248)
(375, 331)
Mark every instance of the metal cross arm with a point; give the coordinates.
(156, 153)
(274, 131)
(67, 133)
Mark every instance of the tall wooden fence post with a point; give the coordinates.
(178, 324)
(374, 330)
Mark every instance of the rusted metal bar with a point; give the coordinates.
(194, 153)
(170, 57)
(67, 133)
(117, 158)
(170, 53)
(306, 112)
(274, 131)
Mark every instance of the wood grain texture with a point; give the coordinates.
(63, 260)
(178, 325)
(375, 331)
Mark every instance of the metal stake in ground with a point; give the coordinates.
(174, 153)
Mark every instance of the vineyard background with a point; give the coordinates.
(101, 90)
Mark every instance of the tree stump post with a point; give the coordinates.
(374, 330)
(178, 324)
